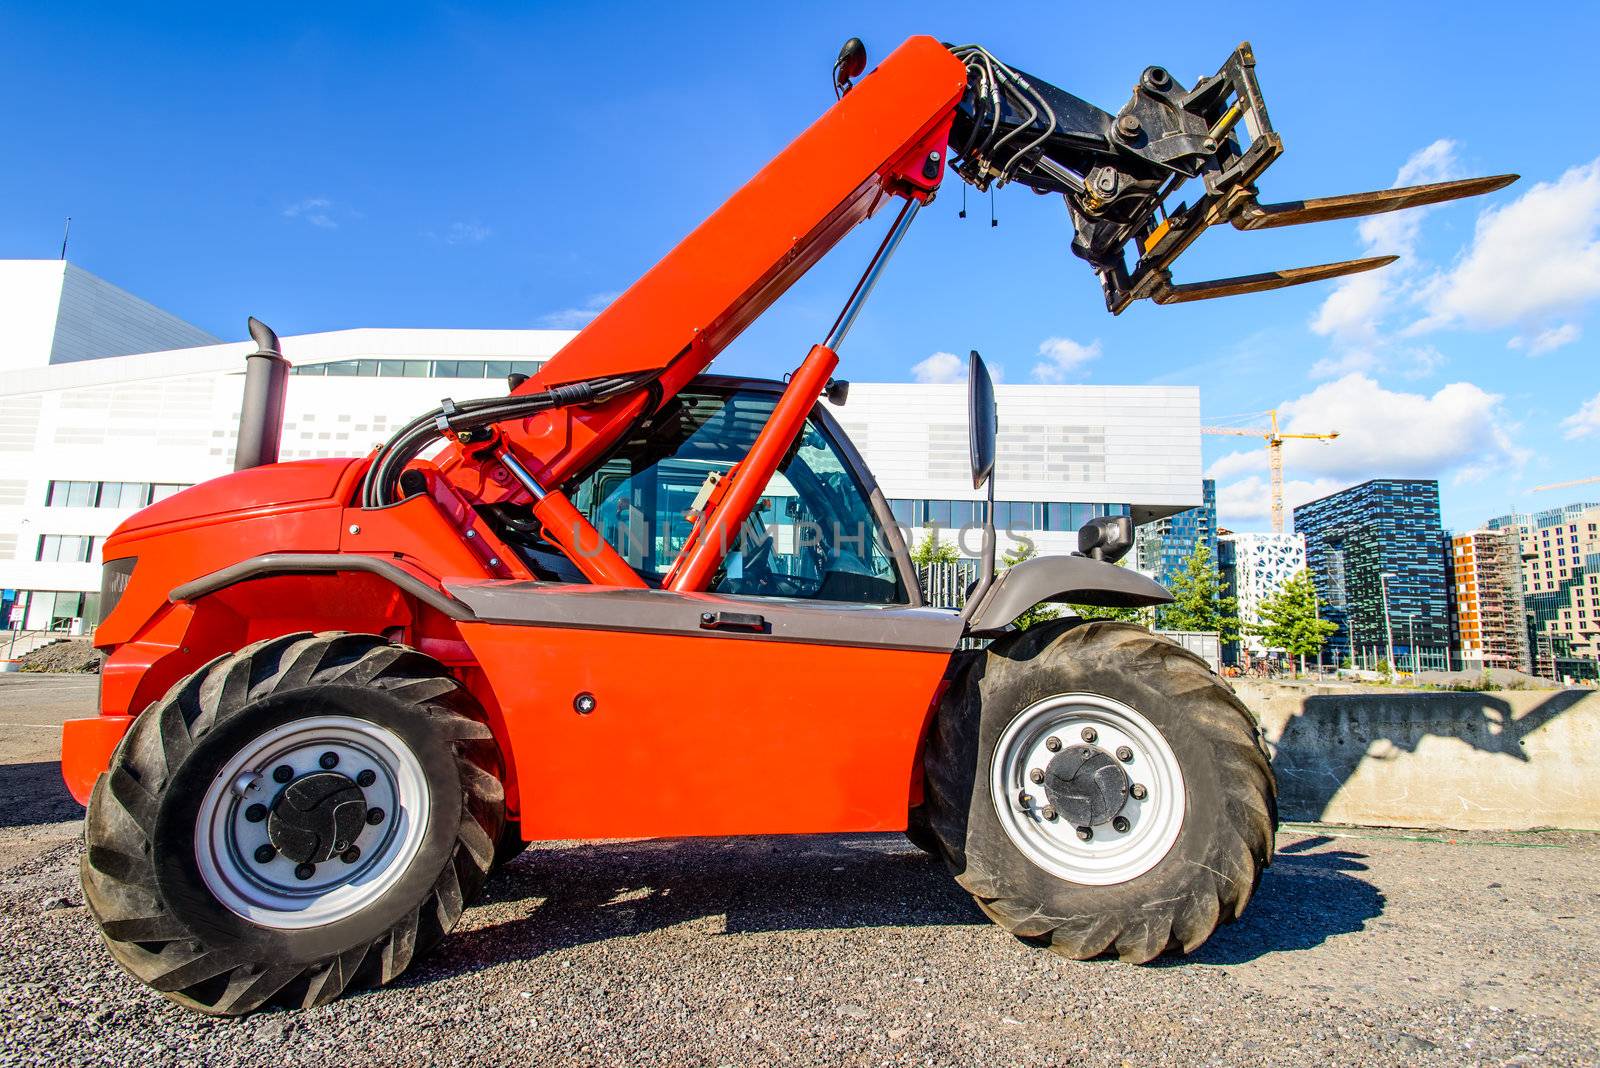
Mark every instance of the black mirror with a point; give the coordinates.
(983, 419)
(1108, 538)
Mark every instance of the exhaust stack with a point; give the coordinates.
(266, 378)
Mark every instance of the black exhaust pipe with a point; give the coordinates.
(266, 378)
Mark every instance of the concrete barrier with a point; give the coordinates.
(1503, 760)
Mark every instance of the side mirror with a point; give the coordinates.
(1108, 538)
(983, 420)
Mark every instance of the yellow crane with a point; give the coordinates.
(1275, 440)
(1564, 485)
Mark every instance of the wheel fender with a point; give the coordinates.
(1064, 580)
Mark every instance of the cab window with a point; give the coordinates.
(812, 535)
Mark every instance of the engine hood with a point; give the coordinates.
(255, 488)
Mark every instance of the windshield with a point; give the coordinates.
(812, 534)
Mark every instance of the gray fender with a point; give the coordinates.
(1064, 580)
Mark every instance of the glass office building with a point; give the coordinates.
(1163, 547)
(1381, 536)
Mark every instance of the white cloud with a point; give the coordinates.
(1583, 423)
(1459, 432)
(464, 233)
(578, 317)
(1344, 362)
(315, 210)
(1538, 255)
(941, 367)
(1547, 340)
(1063, 357)
(1354, 311)
(1248, 502)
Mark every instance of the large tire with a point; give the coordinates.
(1221, 835)
(509, 846)
(165, 871)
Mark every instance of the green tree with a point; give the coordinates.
(930, 550)
(1197, 601)
(1039, 613)
(1290, 620)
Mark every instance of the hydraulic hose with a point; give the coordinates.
(381, 484)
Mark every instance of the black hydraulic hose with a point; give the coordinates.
(383, 477)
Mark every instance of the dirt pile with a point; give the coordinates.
(69, 655)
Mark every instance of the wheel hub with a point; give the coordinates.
(316, 816)
(1098, 812)
(1086, 785)
(309, 822)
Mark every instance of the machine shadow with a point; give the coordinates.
(581, 894)
(1307, 896)
(585, 893)
(32, 794)
(1328, 739)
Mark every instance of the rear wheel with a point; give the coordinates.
(293, 820)
(1096, 786)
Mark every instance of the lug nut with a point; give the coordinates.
(256, 813)
(353, 854)
(1053, 744)
(1137, 791)
(367, 777)
(1085, 833)
(264, 854)
(1120, 825)
(282, 773)
(1124, 754)
(328, 761)
(1090, 734)
(304, 871)
(374, 816)
(1048, 812)
(1036, 776)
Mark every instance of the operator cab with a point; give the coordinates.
(821, 531)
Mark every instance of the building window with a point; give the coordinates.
(376, 368)
(128, 495)
(67, 549)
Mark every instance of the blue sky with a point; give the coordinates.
(350, 165)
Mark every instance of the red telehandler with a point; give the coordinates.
(630, 599)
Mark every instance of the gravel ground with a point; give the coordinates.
(1362, 948)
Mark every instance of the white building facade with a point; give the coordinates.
(86, 442)
(1262, 563)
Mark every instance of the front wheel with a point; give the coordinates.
(294, 820)
(1096, 786)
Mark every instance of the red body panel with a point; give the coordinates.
(703, 736)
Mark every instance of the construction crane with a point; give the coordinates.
(1275, 440)
(1564, 485)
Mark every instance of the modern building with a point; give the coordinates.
(52, 312)
(1164, 546)
(1560, 553)
(1486, 579)
(84, 443)
(1066, 454)
(1258, 564)
(1377, 554)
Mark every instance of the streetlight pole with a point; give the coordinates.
(1411, 632)
(1388, 627)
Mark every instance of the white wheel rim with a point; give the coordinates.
(268, 892)
(1111, 855)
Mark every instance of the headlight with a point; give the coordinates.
(114, 578)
